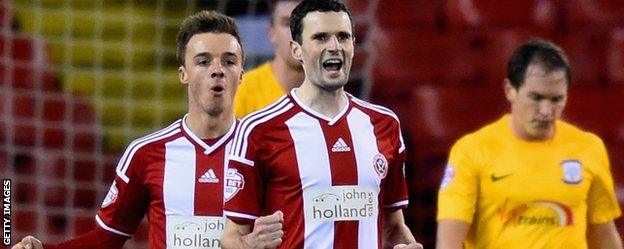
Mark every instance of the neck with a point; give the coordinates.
(327, 102)
(206, 126)
(287, 76)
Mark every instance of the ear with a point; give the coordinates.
(183, 75)
(295, 51)
(510, 91)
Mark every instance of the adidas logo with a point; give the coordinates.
(340, 146)
(209, 177)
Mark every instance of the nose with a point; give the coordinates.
(334, 44)
(216, 71)
(546, 108)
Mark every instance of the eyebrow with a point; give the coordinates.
(206, 54)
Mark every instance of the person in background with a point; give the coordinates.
(529, 180)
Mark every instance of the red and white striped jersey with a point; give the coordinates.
(177, 179)
(332, 178)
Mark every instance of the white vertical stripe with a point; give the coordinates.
(365, 148)
(179, 179)
(314, 170)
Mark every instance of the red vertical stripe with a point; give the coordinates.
(209, 195)
(284, 190)
(344, 172)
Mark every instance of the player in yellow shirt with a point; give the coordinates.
(529, 180)
(268, 82)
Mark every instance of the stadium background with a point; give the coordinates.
(80, 78)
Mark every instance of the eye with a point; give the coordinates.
(344, 36)
(230, 60)
(320, 37)
(536, 97)
(202, 62)
(557, 100)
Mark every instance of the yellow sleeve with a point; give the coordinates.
(458, 192)
(602, 204)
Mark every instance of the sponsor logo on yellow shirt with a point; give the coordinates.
(540, 213)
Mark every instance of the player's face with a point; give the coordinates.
(326, 49)
(279, 32)
(538, 103)
(213, 69)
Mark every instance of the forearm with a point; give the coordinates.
(96, 238)
(397, 234)
(604, 236)
(234, 241)
(233, 236)
(451, 234)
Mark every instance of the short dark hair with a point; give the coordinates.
(271, 8)
(542, 52)
(307, 6)
(204, 22)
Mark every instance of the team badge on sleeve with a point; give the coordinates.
(111, 197)
(449, 174)
(381, 165)
(572, 171)
(234, 182)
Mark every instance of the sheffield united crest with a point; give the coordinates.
(381, 165)
(572, 171)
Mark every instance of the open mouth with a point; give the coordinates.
(332, 65)
(218, 89)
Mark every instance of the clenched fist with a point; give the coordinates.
(267, 232)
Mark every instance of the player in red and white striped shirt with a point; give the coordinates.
(328, 165)
(176, 175)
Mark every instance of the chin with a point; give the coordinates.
(541, 134)
(214, 111)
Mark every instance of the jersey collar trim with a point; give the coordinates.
(207, 148)
(331, 121)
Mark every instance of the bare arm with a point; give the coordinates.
(603, 236)
(396, 233)
(96, 238)
(451, 234)
(267, 233)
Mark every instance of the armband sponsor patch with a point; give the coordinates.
(449, 174)
(111, 196)
(234, 182)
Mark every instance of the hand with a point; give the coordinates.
(409, 246)
(28, 242)
(267, 232)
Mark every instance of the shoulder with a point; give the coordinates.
(570, 132)
(484, 137)
(140, 147)
(264, 117)
(377, 112)
(257, 73)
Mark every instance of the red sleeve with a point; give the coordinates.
(394, 188)
(243, 185)
(128, 198)
(96, 238)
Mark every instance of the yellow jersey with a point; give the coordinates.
(258, 89)
(520, 194)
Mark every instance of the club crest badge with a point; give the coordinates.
(572, 173)
(381, 165)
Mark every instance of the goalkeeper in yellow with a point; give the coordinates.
(529, 180)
